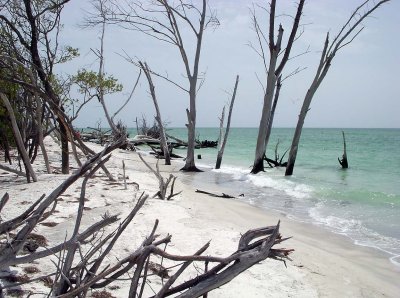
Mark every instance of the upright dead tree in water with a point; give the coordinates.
(222, 142)
(163, 139)
(166, 21)
(343, 162)
(346, 35)
(273, 70)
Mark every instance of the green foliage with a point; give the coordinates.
(68, 54)
(5, 127)
(88, 81)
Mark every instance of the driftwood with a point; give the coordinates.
(206, 144)
(159, 152)
(163, 139)
(277, 162)
(11, 170)
(216, 195)
(163, 183)
(76, 272)
(34, 214)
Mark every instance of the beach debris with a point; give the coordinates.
(223, 195)
(163, 183)
(277, 162)
(158, 270)
(76, 273)
(102, 294)
(31, 269)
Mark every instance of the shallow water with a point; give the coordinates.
(362, 202)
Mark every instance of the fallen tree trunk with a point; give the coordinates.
(216, 195)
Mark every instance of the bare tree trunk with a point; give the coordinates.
(164, 19)
(342, 39)
(74, 151)
(4, 139)
(274, 71)
(55, 101)
(271, 117)
(221, 132)
(101, 72)
(191, 113)
(262, 141)
(228, 125)
(297, 134)
(322, 70)
(18, 139)
(190, 165)
(163, 138)
(40, 132)
(64, 148)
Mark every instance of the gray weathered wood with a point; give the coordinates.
(18, 138)
(228, 125)
(328, 53)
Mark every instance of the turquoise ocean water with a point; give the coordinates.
(362, 202)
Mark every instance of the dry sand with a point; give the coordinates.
(324, 264)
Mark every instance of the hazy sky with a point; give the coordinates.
(362, 88)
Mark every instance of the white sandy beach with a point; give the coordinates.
(323, 264)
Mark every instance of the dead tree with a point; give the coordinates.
(277, 162)
(163, 139)
(101, 14)
(39, 109)
(346, 35)
(18, 139)
(273, 70)
(274, 104)
(343, 162)
(163, 183)
(222, 142)
(165, 21)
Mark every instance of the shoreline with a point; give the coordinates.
(323, 264)
(222, 187)
(365, 271)
(362, 269)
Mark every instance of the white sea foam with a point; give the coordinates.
(293, 189)
(309, 206)
(356, 231)
(299, 191)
